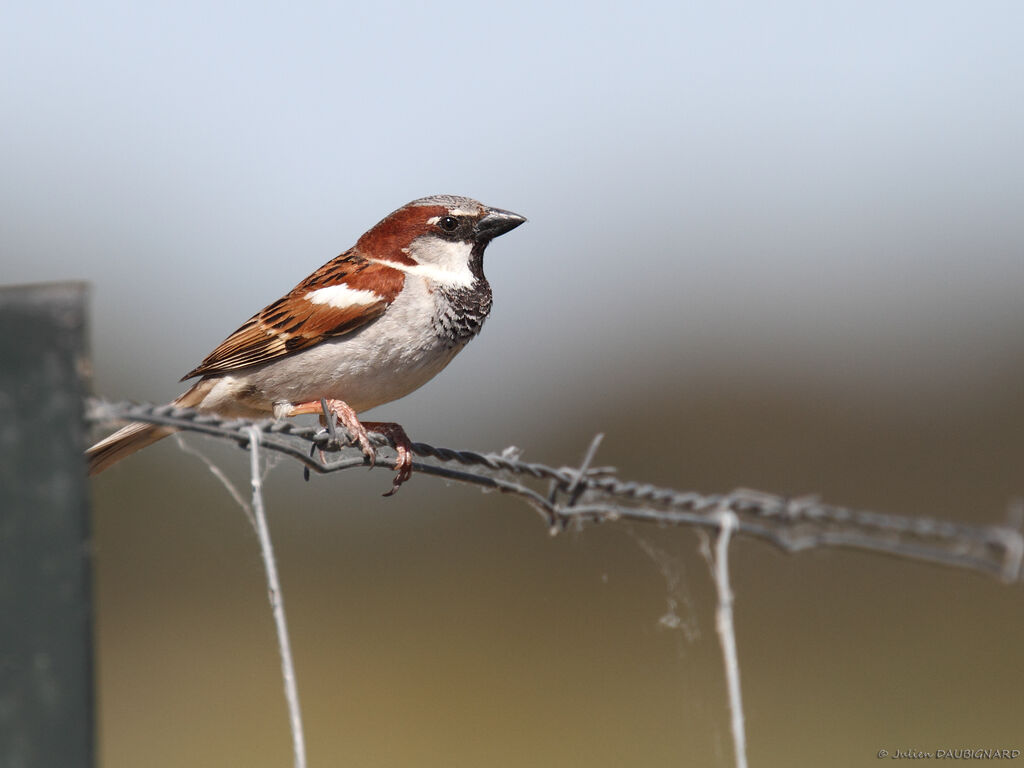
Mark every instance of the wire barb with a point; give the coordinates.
(597, 495)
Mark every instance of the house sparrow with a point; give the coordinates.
(368, 327)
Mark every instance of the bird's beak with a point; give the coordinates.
(497, 222)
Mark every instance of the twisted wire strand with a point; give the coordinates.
(595, 494)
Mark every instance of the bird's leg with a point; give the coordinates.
(346, 417)
(328, 423)
(403, 446)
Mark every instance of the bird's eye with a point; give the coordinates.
(448, 224)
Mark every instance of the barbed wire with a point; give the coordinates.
(589, 494)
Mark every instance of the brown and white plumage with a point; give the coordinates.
(368, 327)
(295, 322)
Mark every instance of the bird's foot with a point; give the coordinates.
(403, 446)
(346, 416)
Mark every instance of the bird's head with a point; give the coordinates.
(442, 237)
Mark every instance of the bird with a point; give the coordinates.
(368, 327)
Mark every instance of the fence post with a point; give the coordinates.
(46, 650)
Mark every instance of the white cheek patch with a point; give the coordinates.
(442, 261)
(341, 297)
(448, 255)
(457, 279)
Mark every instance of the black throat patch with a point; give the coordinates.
(461, 311)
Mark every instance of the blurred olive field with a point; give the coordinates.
(773, 247)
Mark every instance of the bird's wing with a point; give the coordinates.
(342, 296)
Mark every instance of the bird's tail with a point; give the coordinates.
(138, 435)
(122, 443)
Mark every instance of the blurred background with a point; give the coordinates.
(777, 246)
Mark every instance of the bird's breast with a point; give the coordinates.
(413, 341)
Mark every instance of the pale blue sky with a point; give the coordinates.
(748, 182)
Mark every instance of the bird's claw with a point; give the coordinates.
(362, 439)
(403, 468)
(358, 434)
(403, 446)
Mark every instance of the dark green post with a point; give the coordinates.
(46, 674)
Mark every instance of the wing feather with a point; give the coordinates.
(295, 321)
